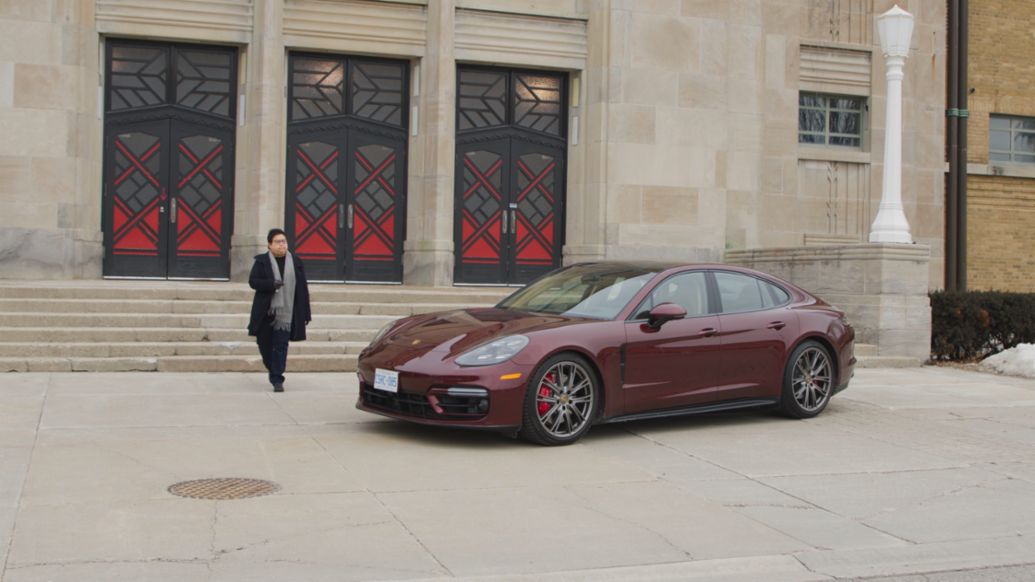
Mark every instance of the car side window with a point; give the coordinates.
(739, 292)
(688, 290)
(776, 295)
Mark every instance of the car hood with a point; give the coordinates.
(451, 333)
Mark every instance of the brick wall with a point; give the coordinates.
(1001, 234)
(1001, 210)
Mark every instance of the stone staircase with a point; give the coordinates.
(188, 326)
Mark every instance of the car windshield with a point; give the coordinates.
(596, 291)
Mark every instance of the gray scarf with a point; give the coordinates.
(283, 298)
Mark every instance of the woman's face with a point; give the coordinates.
(278, 246)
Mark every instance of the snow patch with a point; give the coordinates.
(1016, 361)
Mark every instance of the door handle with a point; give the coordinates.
(708, 332)
(350, 216)
(341, 215)
(513, 221)
(172, 210)
(776, 325)
(503, 223)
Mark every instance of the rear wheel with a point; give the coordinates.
(808, 381)
(561, 401)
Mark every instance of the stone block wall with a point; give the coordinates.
(882, 288)
(49, 182)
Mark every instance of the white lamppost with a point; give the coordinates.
(895, 28)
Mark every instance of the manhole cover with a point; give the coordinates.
(227, 488)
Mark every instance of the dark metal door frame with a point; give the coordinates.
(514, 235)
(346, 212)
(185, 96)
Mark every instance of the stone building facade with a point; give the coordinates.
(1001, 186)
(436, 142)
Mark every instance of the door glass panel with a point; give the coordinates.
(377, 91)
(317, 88)
(535, 234)
(138, 76)
(316, 200)
(537, 103)
(482, 99)
(482, 206)
(374, 198)
(199, 184)
(204, 81)
(137, 194)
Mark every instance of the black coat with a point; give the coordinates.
(261, 279)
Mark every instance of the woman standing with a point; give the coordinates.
(280, 309)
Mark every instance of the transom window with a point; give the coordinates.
(1011, 139)
(834, 120)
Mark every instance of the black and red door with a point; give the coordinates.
(346, 166)
(510, 175)
(168, 160)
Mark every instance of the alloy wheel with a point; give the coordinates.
(811, 379)
(564, 399)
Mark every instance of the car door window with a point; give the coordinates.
(688, 290)
(739, 292)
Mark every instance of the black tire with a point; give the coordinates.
(561, 401)
(808, 381)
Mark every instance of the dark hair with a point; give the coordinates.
(274, 232)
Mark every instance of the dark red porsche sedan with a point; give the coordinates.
(607, 342)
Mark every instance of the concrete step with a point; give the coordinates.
(150, 320)
(171, 334)
(112, 325)
(234, 291)
(160, 349)
(193, 307)
(296, 363)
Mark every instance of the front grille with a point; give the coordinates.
(438, 405)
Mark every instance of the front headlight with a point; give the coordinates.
(495, 352)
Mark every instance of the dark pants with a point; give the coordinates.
(273, 345)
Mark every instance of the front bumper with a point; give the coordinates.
(423, 397)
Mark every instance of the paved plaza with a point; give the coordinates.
(909, 471)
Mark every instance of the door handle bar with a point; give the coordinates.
(776, 325)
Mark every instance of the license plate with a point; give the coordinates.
(386, 380)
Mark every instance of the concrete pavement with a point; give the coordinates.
(909, 471)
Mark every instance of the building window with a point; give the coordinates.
(1011, 139)
(834, 120)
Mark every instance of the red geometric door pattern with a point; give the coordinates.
(316, 202)
(535, 232)
(483, 207)
(199, 196)
(374, 203)
(137, 194)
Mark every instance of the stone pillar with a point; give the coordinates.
(586, 212)
(259, 188)
(881, 287)
(428, 251)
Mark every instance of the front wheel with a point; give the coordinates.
(808, 381)
(561, 401)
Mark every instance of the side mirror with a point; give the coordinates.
(664, 313)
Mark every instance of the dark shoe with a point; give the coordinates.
(278, 387)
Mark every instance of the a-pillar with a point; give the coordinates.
(259, 191)
(428, 250)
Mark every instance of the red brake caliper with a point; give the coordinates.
(545, 391)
